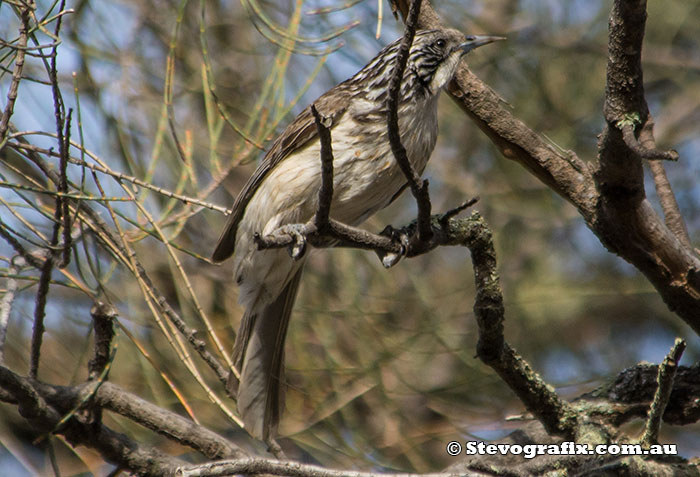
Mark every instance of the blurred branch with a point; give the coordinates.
(127, 257)
(289, 469)
(8, 299)
(631, 392)
(288, 40)
(664, 192)
(42, 405)
(17, 71)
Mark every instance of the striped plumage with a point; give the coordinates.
(284, 190)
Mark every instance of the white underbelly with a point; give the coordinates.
(366, 178)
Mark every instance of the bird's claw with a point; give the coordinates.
(297, 248)
(389, 259)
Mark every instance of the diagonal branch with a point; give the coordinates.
(664, 192)
(16, 73)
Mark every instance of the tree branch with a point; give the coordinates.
(16, 72)
(664, 192)
(556, 415)
(671, 267)
(667, 374)
(325, 192)
(418, 186)
(289, 469)
(114, 447)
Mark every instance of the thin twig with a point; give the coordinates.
(452, 213)
(667, 373)
(325, 192)
(62, 185)
(17, 246)
(40, 310)
(63, 188)
(643, 151)
(119, 176)
(63, 136)
(42, 292)
(419, 187)
(16, 73)
(664, 192)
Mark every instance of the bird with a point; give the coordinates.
(284, 188)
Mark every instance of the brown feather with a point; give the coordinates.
(298, 134)
(260, 394)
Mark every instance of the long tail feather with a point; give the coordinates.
(259, 355)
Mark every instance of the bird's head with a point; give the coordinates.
(435, 55)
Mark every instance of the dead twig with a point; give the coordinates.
(666, 376)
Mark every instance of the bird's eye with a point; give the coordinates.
(471, 38)
(440, 43)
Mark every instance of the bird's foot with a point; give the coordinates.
(297, 248)
(389, 259)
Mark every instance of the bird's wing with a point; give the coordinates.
(298, 134)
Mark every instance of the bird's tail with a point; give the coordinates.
(259, 356)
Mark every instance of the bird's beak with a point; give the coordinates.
(475, 41)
